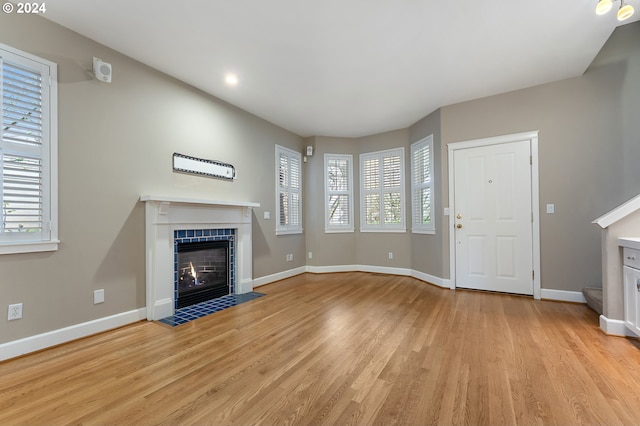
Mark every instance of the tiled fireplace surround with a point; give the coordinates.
(166, 219)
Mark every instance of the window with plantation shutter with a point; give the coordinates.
(382, 191)
(422, 186)
(289, 191)
(27, 152)
(338, 177)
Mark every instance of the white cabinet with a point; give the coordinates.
(631, 270)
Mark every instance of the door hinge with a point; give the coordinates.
(533, 275)
(531, 159)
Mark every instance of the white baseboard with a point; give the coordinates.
(358, 268)
(163, 308)
(331, 269)
(431, 279)
(563, 295)
(257, 282)
(384, 270)
(614, 327)
(55, 337)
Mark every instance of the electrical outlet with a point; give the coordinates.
(98, 296)
(15, 312)
(390, 255)
(289, 257)
(310, 255)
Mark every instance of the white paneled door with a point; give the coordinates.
(493, 217)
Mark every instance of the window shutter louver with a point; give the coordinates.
(338, 193)
(21, 149)
(289, 188)
(382, 190)
(421, 185)
(392, 199)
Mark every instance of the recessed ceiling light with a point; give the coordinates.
(231, 79)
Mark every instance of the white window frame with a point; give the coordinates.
(382, 227)
(417, 186)
(328, 192)
(289, 191)
(47, 238)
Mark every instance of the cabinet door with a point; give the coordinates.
(631, 298)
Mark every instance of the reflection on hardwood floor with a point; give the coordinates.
(350, 348)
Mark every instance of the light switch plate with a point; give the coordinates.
(551, 208)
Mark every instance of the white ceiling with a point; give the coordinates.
(349, 67)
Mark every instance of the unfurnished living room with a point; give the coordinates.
(283, 212)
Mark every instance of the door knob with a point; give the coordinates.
(459, 216)
(459, 226)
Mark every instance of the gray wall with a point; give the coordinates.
(352, 248)
(429, 252)
(588, 147)
(115, 143)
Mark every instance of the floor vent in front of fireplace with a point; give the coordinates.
(199, 310)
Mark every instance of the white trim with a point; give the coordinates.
(359, 268)
(267, 279)
(614, 327)
(63, 335)
(618, 213)
(49, 155)
(563, 295)
(332, 269)
(422, 231)
(532, 136)
(431, 279)
(392, 230)
(440, 282)
(31, 247)
(185, 200)
(384, 270)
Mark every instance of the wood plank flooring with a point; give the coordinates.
(351, 348)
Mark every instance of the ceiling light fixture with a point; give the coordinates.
(603, 7)
(231, 79)
(625, 12)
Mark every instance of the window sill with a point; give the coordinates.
(423, 231)
(396, 230)
(289, 232)
(338, 231)
(34, 247)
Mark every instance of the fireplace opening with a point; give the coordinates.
(202, 271)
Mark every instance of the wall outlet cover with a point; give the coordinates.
(15, 312)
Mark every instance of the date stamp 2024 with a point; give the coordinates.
(24, 8)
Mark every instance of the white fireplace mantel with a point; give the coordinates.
(163, 216)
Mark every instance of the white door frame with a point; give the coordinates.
(532, 136)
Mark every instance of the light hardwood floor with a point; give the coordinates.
(352, 348)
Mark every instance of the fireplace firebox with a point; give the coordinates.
(202, 270)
